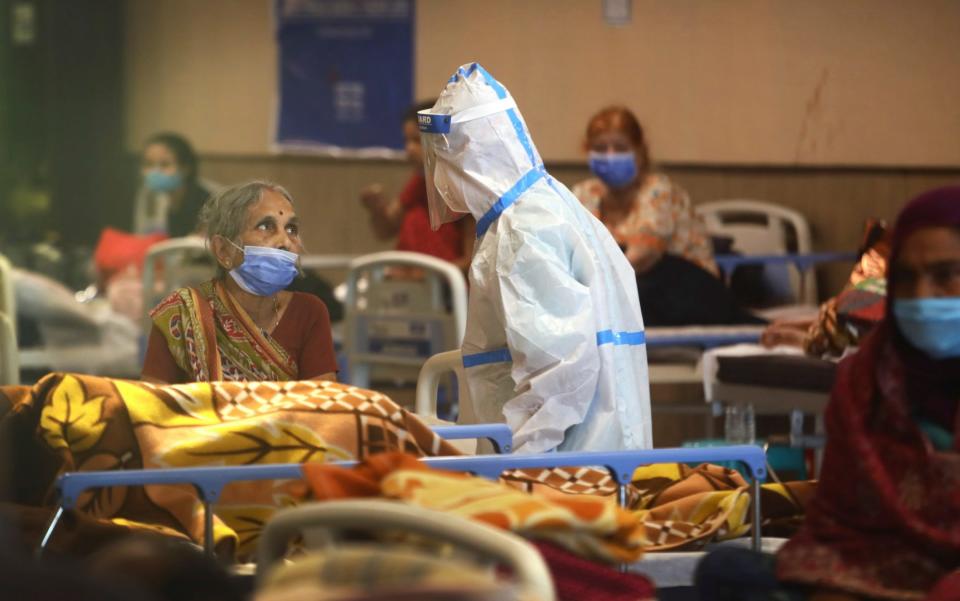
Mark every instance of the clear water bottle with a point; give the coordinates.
(739, 424)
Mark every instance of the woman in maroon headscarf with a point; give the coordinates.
(885, 522)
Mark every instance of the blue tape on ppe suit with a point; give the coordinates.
(498, 356)
(603, 337)
(509, 197)
(618, 338)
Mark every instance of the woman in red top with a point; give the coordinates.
(243, 325)
(406, 216)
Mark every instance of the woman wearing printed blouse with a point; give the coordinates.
(652, 220)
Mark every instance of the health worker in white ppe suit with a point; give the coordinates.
(554, 343)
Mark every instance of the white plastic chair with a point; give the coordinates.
(394, 324)
(485, 542)
(763, 228)
(436, 369)
(428, 383)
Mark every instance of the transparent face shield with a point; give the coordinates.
(434, 132)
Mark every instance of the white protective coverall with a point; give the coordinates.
(554, 342)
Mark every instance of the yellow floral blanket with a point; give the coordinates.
(589, 525)
(91, 423)
(76, 422)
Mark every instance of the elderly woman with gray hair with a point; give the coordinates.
(243, 324)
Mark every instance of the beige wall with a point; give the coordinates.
(835, 201)
(205, 68)
(736, 96)
(835, 82)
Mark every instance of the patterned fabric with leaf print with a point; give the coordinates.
(92, 423)
(76, 422)
(212, 338)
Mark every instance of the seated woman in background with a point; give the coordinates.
(652, 220)
(406, 216)
(846, 318)
(172, 194)
(243, 325)
(885, 521)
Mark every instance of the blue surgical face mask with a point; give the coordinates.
(616, 169)
(158, 181)
(932, 325)
(265, 271)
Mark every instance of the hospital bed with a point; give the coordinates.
(318, 525)
(674, 353)
(393, 323)
(83, 334)
(210, 481)
(665, 569)
(668, 571)
(775, 383)
(87, 337)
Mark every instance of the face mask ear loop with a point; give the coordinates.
(236, 246)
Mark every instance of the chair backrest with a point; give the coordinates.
(325, 277)
(433, 371)
(9, 363)
(401, 308)
(486, 543)
(763, 228)
(7, 296)
(9, 354)
(327, 262)
(173, 264)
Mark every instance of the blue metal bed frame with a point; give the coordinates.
(498, 434)
(803, 262)
(727, 263)
(209, 481)
(704, 341)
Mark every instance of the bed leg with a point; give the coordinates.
(622, 495)
(623, 568)
(49, 532)
(207, 527)
(819, 428)
(755, 502)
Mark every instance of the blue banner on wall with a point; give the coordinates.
(346, 75)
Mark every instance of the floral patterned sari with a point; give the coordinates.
(213, 339)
